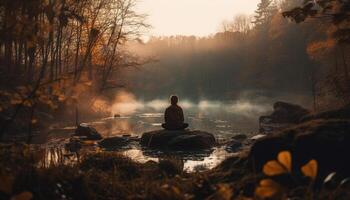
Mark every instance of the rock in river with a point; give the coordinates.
(283, 115)
(87, 132)
(114, 142)
(178, 140)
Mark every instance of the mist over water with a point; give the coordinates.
(135, 116)
(130, 115)
(224, 118)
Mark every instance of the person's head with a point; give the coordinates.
(174, 99)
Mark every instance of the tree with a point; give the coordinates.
(266, 10)
(336, 16)
(242, 23)
(55, 50)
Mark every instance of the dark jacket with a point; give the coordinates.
(174, 116)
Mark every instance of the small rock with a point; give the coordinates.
(234, 146)
(113, 142)
(240, 137)
(87, 132)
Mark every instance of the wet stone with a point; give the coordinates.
(178, 140)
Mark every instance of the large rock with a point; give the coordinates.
(327, 141)
(283, 115)
(86, 132)
(340, 113)
(178, 140)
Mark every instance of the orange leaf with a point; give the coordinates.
(285, 158)
(273, 168)
(267, 188)
(310, 169)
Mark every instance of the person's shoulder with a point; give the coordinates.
(169, 108)
(178, 107)
(174, 107)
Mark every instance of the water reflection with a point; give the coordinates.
(192, 161)
(223, 119)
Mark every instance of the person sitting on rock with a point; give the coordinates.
(174, 116)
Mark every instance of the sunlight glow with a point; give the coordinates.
(192, 17)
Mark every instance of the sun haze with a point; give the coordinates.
(192, 17)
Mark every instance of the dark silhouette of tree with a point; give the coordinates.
(264, 13)
(335, 15)
(53, 51)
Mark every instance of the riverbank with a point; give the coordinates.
(110, 175)
(306, 160)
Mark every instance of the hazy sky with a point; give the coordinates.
(192, 17)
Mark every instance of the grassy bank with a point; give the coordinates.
(112, 176)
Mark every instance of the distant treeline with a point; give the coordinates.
(266, 54)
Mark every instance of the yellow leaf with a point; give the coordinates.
(23, 196)
(310, 169)
(267, 188)
(285, 158)
(273, 168)
(6, 183)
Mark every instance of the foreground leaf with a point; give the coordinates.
(285, 158)
(273, 168)
(267, 188)
(310, 169)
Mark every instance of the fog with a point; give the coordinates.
(135, 115)
(127, 104)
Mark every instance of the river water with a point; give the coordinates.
(223, 119)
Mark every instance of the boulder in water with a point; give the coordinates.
(87, 133)
(283, 115)
(234, 146)
(114, 142)
(178, 140)
(240, 137)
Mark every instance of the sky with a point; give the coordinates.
(192, 17)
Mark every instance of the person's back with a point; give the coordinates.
(174, 117)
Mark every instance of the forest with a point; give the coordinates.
(83, 90)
